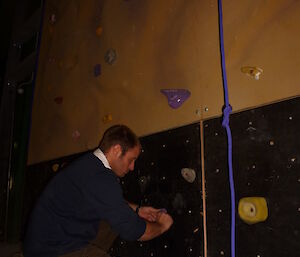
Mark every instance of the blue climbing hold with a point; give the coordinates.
(97, 70)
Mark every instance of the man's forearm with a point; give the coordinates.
(152, 230)
(133, 206)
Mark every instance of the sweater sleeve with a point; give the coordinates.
(112, 207)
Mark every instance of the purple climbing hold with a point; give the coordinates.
(176, 97)
(97, 70)
(52, 18)
(163, 210)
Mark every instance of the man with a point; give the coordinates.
(67, 215)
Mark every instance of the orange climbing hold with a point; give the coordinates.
(99, 31)
(107, 118)
(55, 167)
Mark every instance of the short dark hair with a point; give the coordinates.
(119, 135)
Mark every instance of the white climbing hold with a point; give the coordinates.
(188, 174)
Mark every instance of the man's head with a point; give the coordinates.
(121, 148)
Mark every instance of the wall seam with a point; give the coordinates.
(203, 188)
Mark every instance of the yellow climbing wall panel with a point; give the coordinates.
(170, 44)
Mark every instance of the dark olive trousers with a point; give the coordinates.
(98, 247)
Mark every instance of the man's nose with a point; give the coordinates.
(131, 167)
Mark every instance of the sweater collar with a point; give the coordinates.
(100, 155)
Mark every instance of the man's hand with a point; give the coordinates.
(149, 213)
(165, 220)
(153, 229)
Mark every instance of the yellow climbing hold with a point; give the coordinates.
(253, 209)
(253, 72)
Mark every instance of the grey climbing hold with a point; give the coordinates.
(110, 56)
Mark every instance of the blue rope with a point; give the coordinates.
(226, 113)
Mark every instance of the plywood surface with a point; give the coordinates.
(159, 44)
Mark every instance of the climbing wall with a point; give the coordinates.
(266, 163)
(104, 62)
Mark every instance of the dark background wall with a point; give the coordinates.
(20, 27)
(6, 19)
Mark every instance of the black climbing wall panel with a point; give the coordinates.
(157, 181)
(266, 162)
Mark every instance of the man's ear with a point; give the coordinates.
(117, 150)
